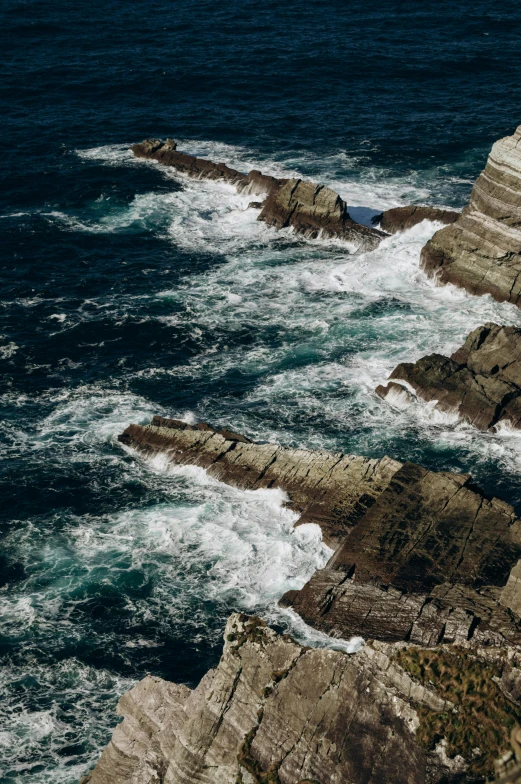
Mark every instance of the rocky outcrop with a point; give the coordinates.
(427, 563)
(331, 489)
(481, 251)
(306, 207)
(420, 555)
(167, 153)
(480, 382)
(274, 711)
(314, 210)
(402, 218)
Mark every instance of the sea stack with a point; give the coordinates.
(481, 251)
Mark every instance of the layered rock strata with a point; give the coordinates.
(310, 209)
(480, 382)
(481, 251)
(274, 711)
(420, 555)
(402, 218)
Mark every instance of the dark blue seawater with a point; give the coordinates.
(126, 291)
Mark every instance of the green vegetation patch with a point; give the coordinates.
(483, 717)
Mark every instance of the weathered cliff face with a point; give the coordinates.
(481, 251)
(480, 382)
(274, 711)
(401, 218)
(420, 555)
(308, 208)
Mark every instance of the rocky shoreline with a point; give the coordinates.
(275, 711)
(426, 567)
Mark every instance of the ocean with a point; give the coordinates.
(128, 291)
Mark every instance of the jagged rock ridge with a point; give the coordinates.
(481, 251)
(480, 382)
(420, 555)
(331, 489)
(307, 207)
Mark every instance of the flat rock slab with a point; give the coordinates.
(481, 251)
(480, 382)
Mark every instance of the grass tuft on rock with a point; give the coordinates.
(479, 727)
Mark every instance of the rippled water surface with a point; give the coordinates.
(127, 291)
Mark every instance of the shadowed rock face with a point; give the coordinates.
(273, 711)
(419, 555)
(401, 218)
(481, 381)
(426, 563)
(308, 208)
(481, 251)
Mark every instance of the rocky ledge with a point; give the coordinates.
(276, 712)
(420, 556)
(480, 382)
(402, 218)
(307, 207)
(481, 251)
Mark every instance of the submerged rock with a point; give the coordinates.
(275, 711)
(481, 251)
(480, 382)
(402, 218)
(420, 555)
(308, 208)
